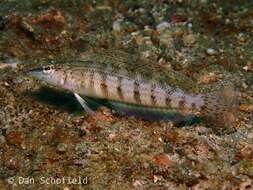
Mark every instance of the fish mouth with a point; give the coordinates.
(39, 74)
(36, 72)
(39, 69)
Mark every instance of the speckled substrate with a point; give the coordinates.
(45, 135)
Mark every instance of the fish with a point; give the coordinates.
(126, 91)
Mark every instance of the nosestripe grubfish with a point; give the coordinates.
(216, 108)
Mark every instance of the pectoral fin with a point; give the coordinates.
(84, 104)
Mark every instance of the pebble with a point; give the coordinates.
(189, 39)
(246, 108)
(164, 160)
(209, 78)
(10, 65)
(147, 30)
(168, 148)
(2, 139)
(62, 147)
(117, 25)
(82, 149)
(203, 1)
(162, 61)
(139, 40)
(189, 25)
(211, 51)
(242, 37)
(138, 183)
(163, 25)
(157, 178)
(246, 68)
(27, 27)
(166, 38)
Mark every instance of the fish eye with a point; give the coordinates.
(48, 69)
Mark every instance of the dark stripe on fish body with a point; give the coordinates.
(103, 85)
(168, 98)
(152, 95)
(137, 96)
(65, 76)
(181, 103)
(203, 108)
(193, 106)
(81, 81)
(119, 89)
(91, 80)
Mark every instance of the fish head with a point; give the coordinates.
(49, 73)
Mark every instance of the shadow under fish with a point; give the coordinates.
(60, 99)
(154, 114)
(66, 101)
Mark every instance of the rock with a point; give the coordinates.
(12, 63)
(123, 25)
(117, 25)
(163, 160)
(84, 128)
(54, 17)
(62, 147)
(211, 51)
(148, 55)
(246, 108)
(209, 78)
(143, 17)
(248, 66)
(157, 178)
(189, 25)
(242, 37)
(163, 25)
(247, 151)
(166, 38)
(147, 30)
(203, 184)
(15, 138)
(27, 27)
(203, 1)
(138, 183)
(178, 33)
(2, 139)
(16, 51)
(168, 148)
(246, 167)
(177, 19)
(82, 149)
(139, 39)
(189, 39)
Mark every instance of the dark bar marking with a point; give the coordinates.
(152, 96)
(65, 77)
(137, 96)
(193, 106)
(168, 101)
(181, 103)
(119, 89)
(91, 81)
(168, 97)
(103, 85)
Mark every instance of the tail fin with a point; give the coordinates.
(220, 108)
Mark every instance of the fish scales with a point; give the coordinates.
(97, 83)
(114, 86)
